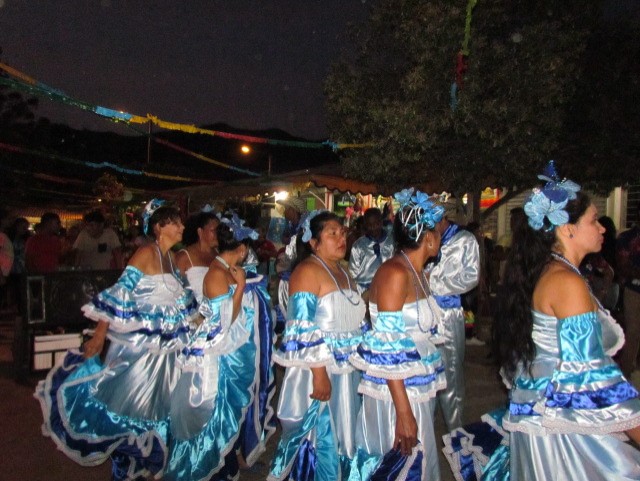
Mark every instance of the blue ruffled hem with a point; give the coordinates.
(211, 449)
(479, 451)
(86, 431)
(393, 466)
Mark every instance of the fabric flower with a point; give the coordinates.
(539, 206)
(237, 227)
(149, 209)
(404, 196)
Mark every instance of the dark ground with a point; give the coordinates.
(27, 455)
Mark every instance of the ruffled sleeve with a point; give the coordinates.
(303, 341)
(587, 393)
(131, 306)
(219, 333)
(388, 352)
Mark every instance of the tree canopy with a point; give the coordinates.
(525, 71)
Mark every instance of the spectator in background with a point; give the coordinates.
(370, 251)
(628, 263)
(18, 233)
(6, 251)
(44, 250)
(599, 267)
(97, 247)
(501, 250)
(356, 230)
(265, 250)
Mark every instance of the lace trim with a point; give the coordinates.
(384, 394)
(416, 370)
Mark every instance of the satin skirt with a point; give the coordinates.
(567, 457)
(318, 439)
(375, 434)
(92, 416)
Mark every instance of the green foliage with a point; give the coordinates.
(510, 118)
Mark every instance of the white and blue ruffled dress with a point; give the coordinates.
(318, 438)
(567, 413)
(398, 347)
(221, 402)
(120, 408)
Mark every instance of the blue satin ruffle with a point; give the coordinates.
(85, 430)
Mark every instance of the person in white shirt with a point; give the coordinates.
(97, 247)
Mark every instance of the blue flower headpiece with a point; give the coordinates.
(149, 209)
(550, 200)
(237, 227)
(417, 211)
(305, 225)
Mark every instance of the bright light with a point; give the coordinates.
(245, 149)
(281, 195)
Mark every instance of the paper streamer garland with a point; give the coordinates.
(101, 165)
(461, 58)
(24, 82)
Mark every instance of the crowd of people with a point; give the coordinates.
(178, 378)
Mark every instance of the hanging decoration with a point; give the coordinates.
(95, 165)
(23, 82)
(462, 57)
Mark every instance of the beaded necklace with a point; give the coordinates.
(426, 291)
(173, 291)
(223, 262)
(559, 257)
(335, 281)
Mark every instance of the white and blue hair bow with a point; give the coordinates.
(149, 209)
(305, 225)
(550, 200)
(237, 227)
(417, 211)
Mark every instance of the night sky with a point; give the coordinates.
(252, 64)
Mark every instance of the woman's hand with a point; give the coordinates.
(406, 436)
(239, 276)
(94, 345)
(321, 384)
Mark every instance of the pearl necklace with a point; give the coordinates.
(335, 281)
(559, 257)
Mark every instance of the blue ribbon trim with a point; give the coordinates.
(601, 398)
(411, 381)
(522, 409)
(448, 302)
(163, 335)
(294, 345)
(389, 359)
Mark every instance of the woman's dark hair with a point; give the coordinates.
(609, 245)
(164, 215)
(303, 249)
(529, 256)
(226, 241)
(401, 233)
(195, 222)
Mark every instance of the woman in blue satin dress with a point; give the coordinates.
(319, 398)
(570, 409)
(221, 367)
(402, 368)
(119, 408)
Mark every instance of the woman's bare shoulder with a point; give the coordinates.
(563, 292)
